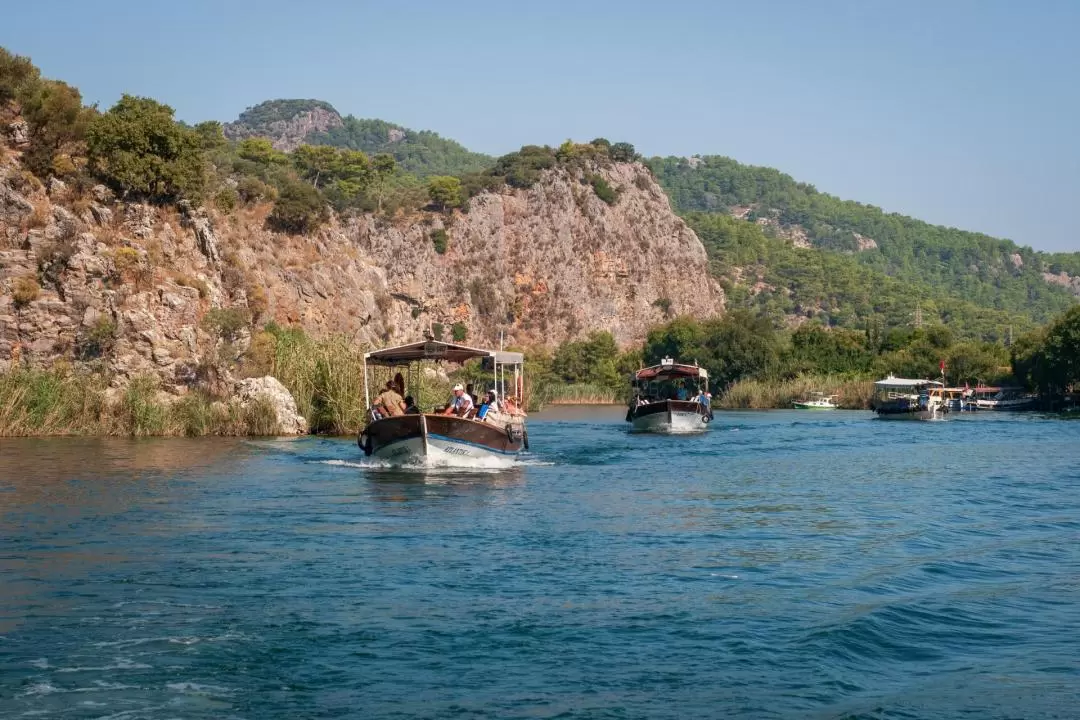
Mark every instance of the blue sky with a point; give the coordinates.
(961, 112)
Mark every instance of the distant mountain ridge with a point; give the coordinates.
(288, 123)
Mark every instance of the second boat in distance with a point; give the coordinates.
(670, 398)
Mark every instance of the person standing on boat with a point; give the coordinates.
(460, 403)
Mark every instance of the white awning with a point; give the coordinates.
(904, 382)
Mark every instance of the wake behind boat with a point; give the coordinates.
(465, 433)
(670, 398)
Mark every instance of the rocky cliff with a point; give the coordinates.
(287, 123)
(142, 289)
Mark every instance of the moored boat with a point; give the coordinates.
(670, 398)
(903, 399)
(816, 401)
(488, 435)
(1003, 398)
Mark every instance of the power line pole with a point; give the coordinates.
(918, 316)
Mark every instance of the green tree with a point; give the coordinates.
(445, 192)
(260, 150)
(139, 149)
(56, 119)
(594, 360)
(383, 167)
(211, 135)
(623, 152)
(17, 74)
(353, 173)
(314, 162)
(1051, 362)
(299, 209)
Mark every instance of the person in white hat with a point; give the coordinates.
(460, 403)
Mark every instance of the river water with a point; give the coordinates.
(784, 565)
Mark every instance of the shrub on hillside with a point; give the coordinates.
(459, 332)
(439, 239)
(226, 323)
(299, 209)
(522, 168)
(603, 190)
(25, 290)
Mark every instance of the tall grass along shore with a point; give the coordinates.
(761, 395)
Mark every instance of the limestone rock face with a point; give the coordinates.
(137, 290)
(287, 134)
(270, 389)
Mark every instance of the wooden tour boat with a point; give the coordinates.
(903, 399)
(669, 398)
(435, 438)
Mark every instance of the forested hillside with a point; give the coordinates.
(420, 152)
(863, 262)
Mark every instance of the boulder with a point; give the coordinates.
(270, 388)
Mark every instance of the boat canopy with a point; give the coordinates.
(904, 382)
(670, 369)
(435, 350)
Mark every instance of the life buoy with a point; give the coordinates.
(705, 419)
(525, 438)
(364, 441)
(513, 434)
(630, 415)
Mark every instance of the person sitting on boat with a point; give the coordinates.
(388, 402)
(410, 406)
(490, 406)
(460, 404)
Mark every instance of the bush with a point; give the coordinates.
(97, 340)
(226, 323)
(437, 331)
(299, 209)
(227, 199)
(251, 189)
(522, 168)
(445, 192)
(257, 301)
(623, 152)
(603, 190)
(25, 290)
(459, 332)
(439, 239)
(139, 149)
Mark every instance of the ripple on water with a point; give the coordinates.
(777, 566)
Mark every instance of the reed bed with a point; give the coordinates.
(759, 394)
(576, 394)
(59, 401)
